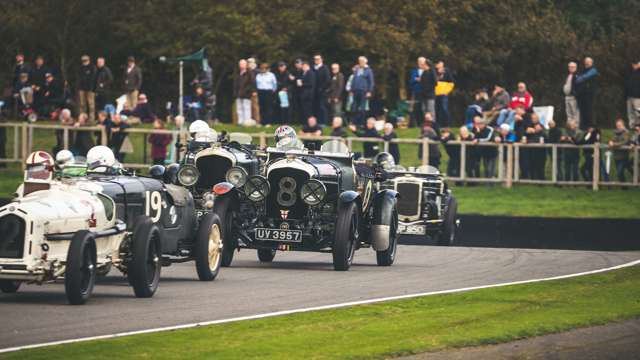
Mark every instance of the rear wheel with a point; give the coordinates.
(222, 207)
(347, 231)
(145, 265)
(9, 286)
(449, 226)
(266, 255)
(80, 273)
(387, 257)
(208, 247)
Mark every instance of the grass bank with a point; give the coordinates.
(387, 329)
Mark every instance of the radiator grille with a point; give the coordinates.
(12, 231)
(409, 201)
(212, 170)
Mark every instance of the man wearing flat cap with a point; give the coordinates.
(87, 88)
(132, 82)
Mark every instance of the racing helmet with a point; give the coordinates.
(199, 130)
(39, 166)
(285, 134)
(385, 160)
(100, 156)
(64, 157)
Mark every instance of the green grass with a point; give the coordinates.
(388, 329)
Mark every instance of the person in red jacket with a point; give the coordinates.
(521, 97)
(159, 143)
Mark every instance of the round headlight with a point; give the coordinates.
(257, 188)
(237, 176)
(188, 175)
(313, 192)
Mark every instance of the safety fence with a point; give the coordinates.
(594, 165)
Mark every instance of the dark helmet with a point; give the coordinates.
(157, 172)
(171, 173)
(385, 160)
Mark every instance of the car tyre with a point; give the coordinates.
(80, 273)
(449, 226)
(208, 247)
(266, 255)
(9, 286)
(222, 207)
(144, 269)
(387, 257)
(346, 237)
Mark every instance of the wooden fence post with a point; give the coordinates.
(425, 151)
(65, 137)
(463, 160)
(635, 165)
(516, 163)
(24, 146)
(596, 167)
(509, 177)
(554, 163)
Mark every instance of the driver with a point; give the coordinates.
(39, 167)
(66, 165)
(385, 160)
(201, 135)
(285, 136)
(101, 159)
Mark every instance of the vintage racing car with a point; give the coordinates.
(426, 206)
(77, 227)
(309, 201)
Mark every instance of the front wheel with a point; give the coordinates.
(222, 207)
(449, 226)
(9, 286)
(266, 255)
(144, 268)
(387, 257)
(80, 273)
(347, 231)
(208, 247)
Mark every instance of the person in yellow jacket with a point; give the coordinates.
(444, 87)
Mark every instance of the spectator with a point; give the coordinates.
(336, 90)
(361, 89)
(499, 100)
(87, 88)
(159, 142)
(118, 137)
(65, 120)
(204, 79)
(586, 89)
(370, 148)
(621, 137)
(483, 134)
(553, 137)
(311, 129)
(388, 135)
(444, 87)
(428, 82)
(141, 113)
(38, 81)
(428, 132)
(570, 156)
(104, 122)
(23, 92)
(453, 150)
(521, 97)
(337, 128)
(243, 88)
(21, 67)
(197, 104)
(635, 139)
(252, 65)
(53, 94)
(284, 78)
(132, 82)
(82, 139)
(536, 157)
(307, 86)
(477, 108)
(569, 89)
(296, 96)
(104, 79)
(267, 85)
(505, 135)
(416, 91)
(471, 158)
(508, 116)
(323, 84)
(632, 90)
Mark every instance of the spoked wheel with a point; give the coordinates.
(222, 207)
(208, 247)
(387, 257)
(347, 233)
(449, 227)
(80, 274)
(9, 286)
(266, 255)
(144, 269)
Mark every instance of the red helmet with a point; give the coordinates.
(39, 166)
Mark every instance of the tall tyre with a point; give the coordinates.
(449, 226)
(347, 231)
(80, 273)
(266, 255)
(9, 286)
(222, 207)
(387, 257)
(208, 247)
(144, 269)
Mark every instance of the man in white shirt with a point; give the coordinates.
(569, 89)
(267, 85)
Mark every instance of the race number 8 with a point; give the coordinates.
(153, 205)
(286, 194)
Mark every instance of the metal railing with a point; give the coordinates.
(508, 160)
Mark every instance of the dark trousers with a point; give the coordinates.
(537, 159)
(585, 104)
(266, 100)
(587, 168)
(284, 116)
(359, 106)
(442, 111)
(571, 161)
(417, 116)
(3, 145)
(101, 101)
(320, 109)
(453, 167)
(622, 166)
(489, 164)
(525, 163)
(306, 110)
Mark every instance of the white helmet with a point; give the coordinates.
(39, 166)
(100, 156)
(286, 133)
(64, 157)
(198, 127)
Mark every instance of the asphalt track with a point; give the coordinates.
(38, 314)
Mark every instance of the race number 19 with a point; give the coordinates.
(153, 205)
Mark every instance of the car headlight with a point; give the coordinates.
(237, 176)
(257, 188)
(188, 175)
(313, 192)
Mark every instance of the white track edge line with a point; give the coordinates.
(314, 308)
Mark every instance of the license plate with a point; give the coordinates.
(412, 229)
(278, 235)
(201, 213)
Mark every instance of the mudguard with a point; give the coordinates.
(348, 197)
(383, 205)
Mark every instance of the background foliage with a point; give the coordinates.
(483, 41)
